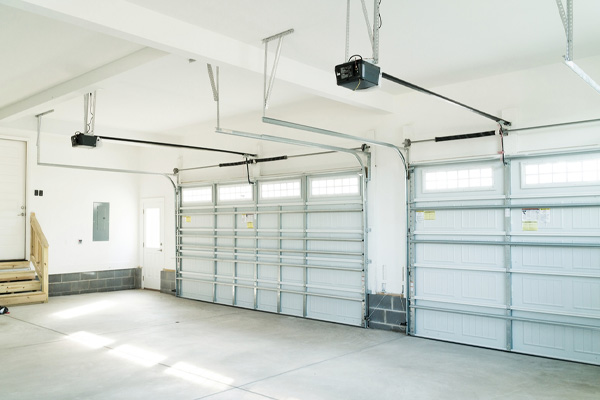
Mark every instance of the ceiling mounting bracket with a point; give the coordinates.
(214, 84)
(89, 113)
(268, 88)
(567, 20)
(373, 32)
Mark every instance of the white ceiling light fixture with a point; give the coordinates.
(567, 20)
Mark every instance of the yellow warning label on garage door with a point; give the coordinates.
(429, 215)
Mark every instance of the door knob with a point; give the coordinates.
(21, 215)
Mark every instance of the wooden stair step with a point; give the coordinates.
(8, 276)
(23, 298)
(17, 287)
(14, 265)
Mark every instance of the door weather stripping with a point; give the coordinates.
(567, 20)
(429, 92)
(269, 87)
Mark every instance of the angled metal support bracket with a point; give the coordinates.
(567, 20)
(268, 88)
(214, 84)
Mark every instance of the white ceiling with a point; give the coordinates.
(430, 43)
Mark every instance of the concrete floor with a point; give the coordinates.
(147, 345)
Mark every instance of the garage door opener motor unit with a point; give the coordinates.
(357, 74)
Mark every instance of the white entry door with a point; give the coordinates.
(12, 200)
(153, 238)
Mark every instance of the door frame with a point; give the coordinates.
(144, 203)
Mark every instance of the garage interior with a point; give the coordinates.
(285, 200)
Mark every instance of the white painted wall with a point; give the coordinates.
(65, 212)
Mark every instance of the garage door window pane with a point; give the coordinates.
(196, 195)
(281, 189)
(335, 186)
(562, 173)
(235, 192)
(456, 180)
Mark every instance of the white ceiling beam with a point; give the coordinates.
(140, 25)
(77, 86)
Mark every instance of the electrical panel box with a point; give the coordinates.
(357, 74)
(101, 222)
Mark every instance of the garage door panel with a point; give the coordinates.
(355, 248)
(267, 221)
(292, 245)
(474, 287)
(244, 297)
(538, 258)
(335, 310)
(578, 296)
(198, 220)
(268, 243)
(225, 221)
(335, 279)
(475, 330)
(198, 241)
(225, 242)
(224, 294)
(293, 220)
(292, 304)
(339, 220)
(571, 343)
(196, 265)
(468, 221)
(197, 290)
(481, 256)
(292, 274)
(549, 227)
(268, 272)
(266, 300)
(244, 270)
(557, 220)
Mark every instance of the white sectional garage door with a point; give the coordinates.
(292, 246)
(508, 256)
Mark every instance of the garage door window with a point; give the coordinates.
(280, 189)
(562, 173)
(335, 186)
(235, 192)
(197, 195)
(458, 180)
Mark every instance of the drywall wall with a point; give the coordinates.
(65, 210)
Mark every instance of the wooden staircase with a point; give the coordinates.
(19, 283)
